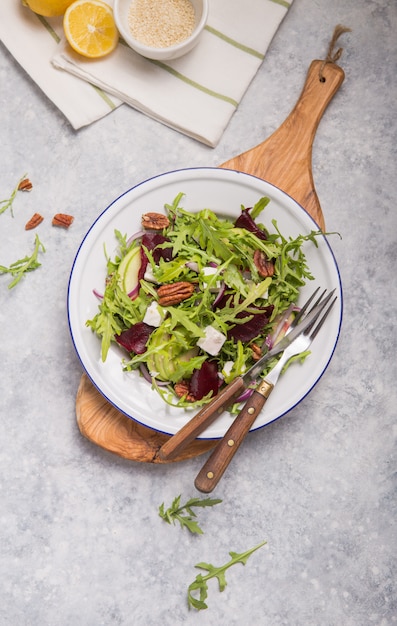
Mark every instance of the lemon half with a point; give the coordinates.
(90, 28)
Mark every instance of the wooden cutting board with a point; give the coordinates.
(285, 160)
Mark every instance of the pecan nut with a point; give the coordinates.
(62, 219)
(25, 185)
(182, 390)
(155, 221)
(256, 352)
(174, 293)
(264, 265)
(34, 221)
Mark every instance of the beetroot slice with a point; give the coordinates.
(144, 264)
(151, 241)
(245, 221)
(134, 339)
(252, 327)
(204, 380)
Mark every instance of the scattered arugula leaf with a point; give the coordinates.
(8, 202)
(175, 512)
(27, 264)
(200, 582)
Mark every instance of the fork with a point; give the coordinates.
(223, 453)
(208, 414)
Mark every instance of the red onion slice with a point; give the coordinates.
(135, 236)
(146, 375)
(134, 293)
(97, 294)
(192, 265)
(244, 396)
(219, 294)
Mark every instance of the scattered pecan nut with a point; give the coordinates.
(264, 265)
(182, 389)
(25, 185)
(174, 293)
(155, 221)
(34, 221)
(62, 219)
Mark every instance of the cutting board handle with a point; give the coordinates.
(286, 156)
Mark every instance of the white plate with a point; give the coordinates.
(223, 191)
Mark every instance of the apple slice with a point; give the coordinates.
(129, 270)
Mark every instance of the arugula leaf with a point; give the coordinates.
(229, 314)
(212, 240)
(168, 271)
(200, 582)
(116, 312)
(173, 208)
(22, 266)
(176, 510)
(8, 202)
(183, 318)
(106, 322)
(259, 206)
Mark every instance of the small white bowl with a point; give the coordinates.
(121, 9)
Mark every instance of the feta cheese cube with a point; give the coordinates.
(227, 368)
(154, 315)
(212, 341)
(149, 276)
(210, 271)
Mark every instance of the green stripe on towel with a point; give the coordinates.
(105, 97)
(193, 83)
(48, 27)
(234, 43)
(283, 3)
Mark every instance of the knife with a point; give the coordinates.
(220, 458)
(208, 414)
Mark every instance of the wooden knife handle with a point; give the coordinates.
(224, 451)
(208, 414)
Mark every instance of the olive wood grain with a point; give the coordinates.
(284, 159)
(100, 422)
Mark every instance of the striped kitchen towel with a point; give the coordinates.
(33, 41)
(196, 94)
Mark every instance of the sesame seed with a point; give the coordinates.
(161, 23)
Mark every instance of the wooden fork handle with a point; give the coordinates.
(220, 458)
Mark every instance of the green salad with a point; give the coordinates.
(194, 298)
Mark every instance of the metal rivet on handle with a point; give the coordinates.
(251, 410)
(230, 443)
(210, 474)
